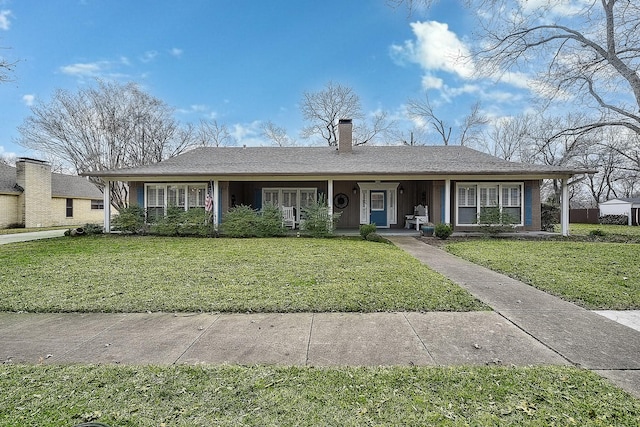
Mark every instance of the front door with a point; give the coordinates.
(379, 208)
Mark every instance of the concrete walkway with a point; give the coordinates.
(579, 336)
(527, 327)
(31, 235)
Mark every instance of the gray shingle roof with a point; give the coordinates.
(8, 180)
(61, 185)
(374, 160)
(73, 186)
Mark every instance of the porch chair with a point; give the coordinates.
(420, 216)
(289, 217)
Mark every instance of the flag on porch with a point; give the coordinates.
(208, 203)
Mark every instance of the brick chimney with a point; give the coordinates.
(34, 204)
(345, 136)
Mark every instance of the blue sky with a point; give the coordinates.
(244, 62)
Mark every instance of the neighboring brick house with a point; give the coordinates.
(367, 184)
(32, 196)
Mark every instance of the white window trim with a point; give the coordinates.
(299, 191)
(479, 205)
(165, 186)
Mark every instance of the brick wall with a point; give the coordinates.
(82, 213)
(8, 210)
(35, 202)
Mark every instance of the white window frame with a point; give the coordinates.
(181, 191)
(483, 191)
(303, 197)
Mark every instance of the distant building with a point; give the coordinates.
(32, 196)
(622, 206)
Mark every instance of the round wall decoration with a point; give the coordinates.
(340, 201)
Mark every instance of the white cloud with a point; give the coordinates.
(431, 82)
(176, 52)
(28, 99)
(554, 7)
(435, 48)
(149, 56)
(84, 69)
(248, 134)
(4, 19)
(102, 69)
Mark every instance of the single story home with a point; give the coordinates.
(32, 196)
(622, 206)
(384, 185)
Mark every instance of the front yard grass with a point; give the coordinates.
(593, 275)
(137, 274)
(54, 395)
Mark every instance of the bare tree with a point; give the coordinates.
(325, 108)
(103, 127)
(6, 68)
(210, 133)
(277, 135)
(468, 133)
(586, 50)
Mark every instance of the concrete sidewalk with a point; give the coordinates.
(32, 235)
(579, 336)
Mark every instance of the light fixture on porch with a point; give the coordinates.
(355, 190)
(401, 189)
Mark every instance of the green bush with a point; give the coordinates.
(443, 231)
(375, 237)
(614, 220)
(597, 233)
(270, 222)
(92, 229)
(195, 222)
(168, 225)
(367, 229)
(492, 220)
(317, 222)
(240, 221)
(130, 220)
(549, 216)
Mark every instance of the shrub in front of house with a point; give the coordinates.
(375, 237)
(317, 221)
(443, 231)
(270, 223)
(493, 221)
(549, 217)
(366, 229)
(614, 219)
(240, 221)
(130, 220)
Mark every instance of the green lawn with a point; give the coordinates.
(50, 395)
(594, 275)
(609, 230)
(137, 274)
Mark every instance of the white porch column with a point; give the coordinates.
(447, 201)
(564, 208)
(106, 201)
(216, 196)
(330, 197)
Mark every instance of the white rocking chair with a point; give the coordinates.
(288, 217)
(420, 216)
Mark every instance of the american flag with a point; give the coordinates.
(208, 203)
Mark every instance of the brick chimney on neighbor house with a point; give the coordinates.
(345, 136)
(34, 204)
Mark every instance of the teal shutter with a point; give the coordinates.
(528, 205)
(140, 196)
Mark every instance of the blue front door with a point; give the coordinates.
(379, 208)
